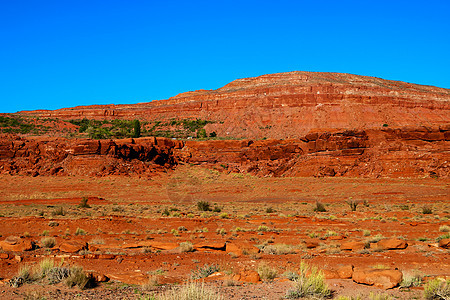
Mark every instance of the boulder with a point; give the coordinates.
(247, 276)
(98, 277)
(16, 244)
(444, 243)
(312, 243)
(345, 272)
(72, 246)
(352, 246)
(390, 244)
(330, 274)
(384, 279)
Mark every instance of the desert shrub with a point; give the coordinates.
(57, 275)
(186, 247)
(375, 239)
(263, 228)
(320, 207)
(84, 203)
(166, 212)
(97, 241)
(270, 210)
(427, 210)
(366, 232)
(153, 281)
(191, 291)
(371, 296)
(203, 206)
(23, 276)
(78, 278)
(48, 242)
(205, 271)
(58, 212)
(437, 290)
(445, 236)
(45, 233)
(278, 249)
(220, 231)
(217, 209)
(444, 228)
(353, 204)
(266, 272)
(80, 231)
(53, 224)
(292, 276)
(310, 283)
(411, 280)
(224, 216)
(404, 206)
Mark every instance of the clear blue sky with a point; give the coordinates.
(62, 53)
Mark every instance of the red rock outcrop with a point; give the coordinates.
(289, 105)
(402, 152)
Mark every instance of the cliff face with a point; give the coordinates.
(290, 105)
(410, 152)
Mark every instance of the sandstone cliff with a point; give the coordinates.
(289, 105)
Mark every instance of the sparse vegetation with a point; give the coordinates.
(191, 291)
(205, 271)
(47, 272)
(310, 283)
(48, 242)
(353, 204)
(84, 203)
(266, 272)
(58, 212)
(444, 228)
(203, 206)
(320, 207)
(437, 289)
(427, 210)
(186, 247)
(80, 231)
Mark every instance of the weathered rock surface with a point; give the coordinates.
(391, 244)
(385, 279)
(72, 246)
(16, 244)
(345, 272)
(250, 276)
(444, 243)
(352, 246)
(413, 152)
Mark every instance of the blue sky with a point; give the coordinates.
(56, 54)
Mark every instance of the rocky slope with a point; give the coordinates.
(409, 152)
(289, 105)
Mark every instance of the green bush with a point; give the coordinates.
(203, 206)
